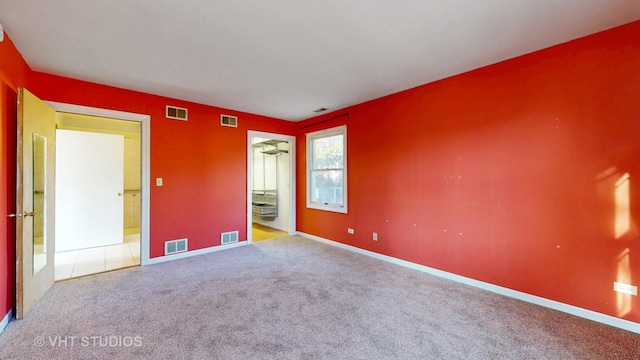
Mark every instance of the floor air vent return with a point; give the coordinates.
(229, 237)
(177, 113)
(175, 246)
(228, 120)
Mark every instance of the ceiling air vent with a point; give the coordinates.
(228, 120)
(176, 113)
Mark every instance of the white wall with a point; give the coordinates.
(132, 166)
(258, 170)
(283, 190)
(132, 158)
(89, 189)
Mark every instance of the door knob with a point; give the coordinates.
(25, 214)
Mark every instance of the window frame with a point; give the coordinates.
(310, 138)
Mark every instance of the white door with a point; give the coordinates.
(89, 189)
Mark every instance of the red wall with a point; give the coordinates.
(203, 164)
(505, 174)
(14, 72)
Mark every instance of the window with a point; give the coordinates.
(326, 169)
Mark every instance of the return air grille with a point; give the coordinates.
(229, 237)
(177, 113)
(175, 246)
(228, 120)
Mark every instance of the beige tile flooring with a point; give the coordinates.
(75, 263)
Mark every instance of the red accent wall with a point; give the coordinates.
(512, 174)
(203, 164)
(14, 72)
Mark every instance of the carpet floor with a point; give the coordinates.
(293, 298)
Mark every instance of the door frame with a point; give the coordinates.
(145, 165)
(292, 178)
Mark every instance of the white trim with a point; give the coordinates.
(537, 300)
(5, 320)
(187, 254)
(145, 121)
(92, 111)
(337, 130)
(292, 177)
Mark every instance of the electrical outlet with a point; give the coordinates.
(351, 231)
(625, 288)
(375, 236)
(159, 182)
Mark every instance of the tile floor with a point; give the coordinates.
(70, 264)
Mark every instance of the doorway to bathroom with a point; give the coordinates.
(98, 193)
(271, 186)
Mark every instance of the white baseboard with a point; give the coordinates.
(186, 254)
(5, 320)
(551, 304)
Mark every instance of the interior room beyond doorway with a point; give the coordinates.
(270, 194)
(90, 251)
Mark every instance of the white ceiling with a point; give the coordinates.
(286, 58)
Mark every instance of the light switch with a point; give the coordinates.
(158, 181)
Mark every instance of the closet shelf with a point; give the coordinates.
(265, 204)
(275, 152)
(268, 143)
(271, 143)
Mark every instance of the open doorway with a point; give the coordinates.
(35, 192)
(271, 186)
(98, 161)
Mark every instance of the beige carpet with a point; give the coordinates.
(293, 298)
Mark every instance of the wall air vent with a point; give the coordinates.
(228, 120)
(175, 246)
(177, 113)
(229, 237)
